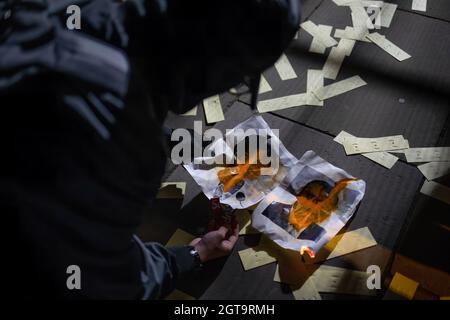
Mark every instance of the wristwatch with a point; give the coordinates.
(194, 253)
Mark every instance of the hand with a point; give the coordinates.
(215, 244)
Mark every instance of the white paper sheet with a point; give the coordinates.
(282, 103)
(317, 46)
(387, 14)
(419, 5)
(180, 238)
(307, 291)
(249, 191)
(352, 241)
(339, 87)
(360, 18)
(255, 257)
(328, 279)
(313, 30)
(353, 34)
(385, 159)
(284, 68)
(436, 190)
(333, 63)
(434, 170)
(428, 154)
(346, 45)
(192, 112)
(366, 145)
(344, 2)
(315, 81)
(365, 3)
(336, 57)
(264, 86)
(339, 280)
(388, 46)
(213, 109)
(271, 215)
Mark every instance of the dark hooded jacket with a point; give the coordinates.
(81, 114)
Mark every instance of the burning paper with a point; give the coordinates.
(244, 166)
(312, 203)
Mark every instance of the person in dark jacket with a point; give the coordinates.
(81, 115)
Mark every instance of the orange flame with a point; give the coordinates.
(314, 204)
(231, 176)
(310, 253)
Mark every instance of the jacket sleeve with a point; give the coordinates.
(162, 267)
